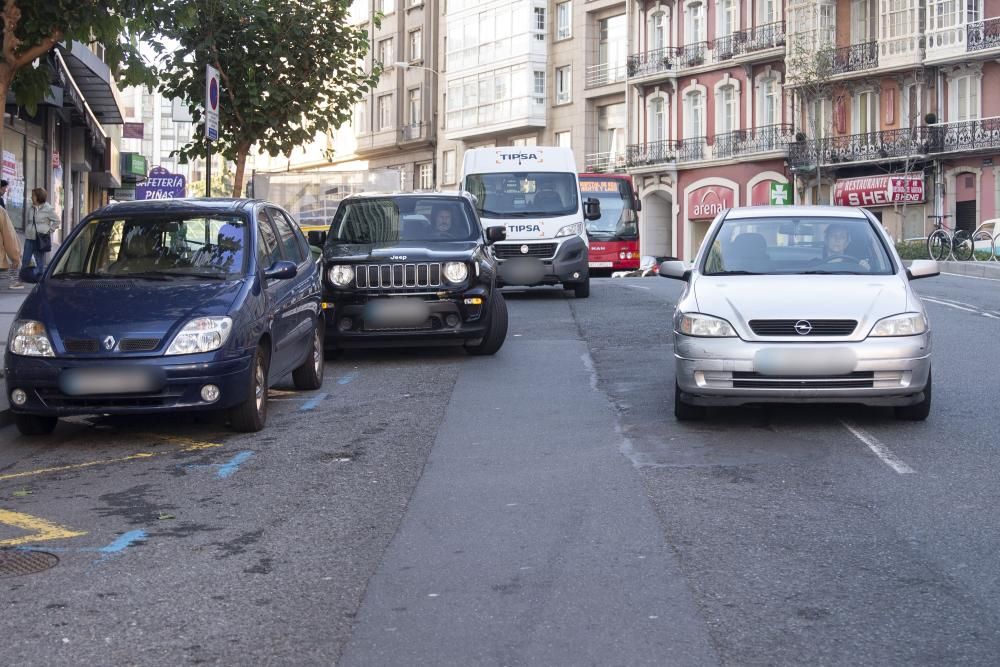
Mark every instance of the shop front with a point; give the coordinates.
(897, 200)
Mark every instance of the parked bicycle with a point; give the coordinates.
(945, 242)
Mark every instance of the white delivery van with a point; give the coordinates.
(533, 192)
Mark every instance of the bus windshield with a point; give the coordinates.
(618, 221)
(524, 194)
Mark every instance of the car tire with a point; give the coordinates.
(35, 424)
(309, 375)
(581, 290)
(251, 415)
(686, 411)
(917, 412)
(496, 334)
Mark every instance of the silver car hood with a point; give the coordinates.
(739, 299)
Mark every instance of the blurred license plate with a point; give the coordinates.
(792, 361)
(601, 265)
(396, 313)
(94, 381)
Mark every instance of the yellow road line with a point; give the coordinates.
(40, 529)
(75, 466)
(188, 444)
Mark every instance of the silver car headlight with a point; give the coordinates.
(202, 334)
(340, 275)
(696, 324)
(456, 272)
(574, 229)
(905, 324)
(29, 338)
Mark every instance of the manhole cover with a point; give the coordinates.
(17, 563)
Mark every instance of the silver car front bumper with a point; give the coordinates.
(732, 371)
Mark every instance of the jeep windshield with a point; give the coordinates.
(524, 194)
(391, 219)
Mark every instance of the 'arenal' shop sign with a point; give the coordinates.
(879, 190)
(708, 201)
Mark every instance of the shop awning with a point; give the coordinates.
(95, 82)
(883, 190)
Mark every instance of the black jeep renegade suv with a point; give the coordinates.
(409, 270)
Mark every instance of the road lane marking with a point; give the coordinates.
(313, 402)
(881, 451)
(960, 305)
(962, 275)
(229, 468)
(950, 305)
(188, 444)
(40, 529)
(75, 466)
(638, 287)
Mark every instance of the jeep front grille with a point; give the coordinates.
(401, 276)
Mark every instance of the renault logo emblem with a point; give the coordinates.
(109, 342)
(803, 327)
(524, 250)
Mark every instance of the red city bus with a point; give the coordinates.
(614, 237)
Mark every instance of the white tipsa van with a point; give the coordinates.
(533, 191)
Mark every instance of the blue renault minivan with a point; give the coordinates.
(185, 304)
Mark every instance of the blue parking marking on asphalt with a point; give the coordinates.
(228, 469)
(313, 402)
(346, 379)
(124, 541)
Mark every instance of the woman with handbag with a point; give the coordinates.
(10, 247)
(37, 232)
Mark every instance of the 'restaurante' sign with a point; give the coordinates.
(707, 202)
(879, 190)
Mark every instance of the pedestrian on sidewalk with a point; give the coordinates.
(41, 219)
(10, 247)
(3, 193)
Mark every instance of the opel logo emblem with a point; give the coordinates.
(803, 327)
(525, 249)
(109, 343)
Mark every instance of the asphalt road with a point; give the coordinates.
(541, 507)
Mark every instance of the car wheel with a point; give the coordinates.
(497, 332)
(917, 412)
(581, 290)
(310, 374)
(686, 411)
(35, 424)
(251, 415)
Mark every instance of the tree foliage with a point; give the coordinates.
(288, 70)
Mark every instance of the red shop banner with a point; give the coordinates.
(879, 190)
(707, 202)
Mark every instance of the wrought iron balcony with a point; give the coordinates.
(855, 58)
(665, 152)
(983, 35)
(868, 147)
(744, 42)
(762, 139)
(653, 62)
(964, 136)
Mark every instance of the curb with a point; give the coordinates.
(971, 269)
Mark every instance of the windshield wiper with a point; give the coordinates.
(814, 272)
(735, 273)
(194, 274)
(72, 275)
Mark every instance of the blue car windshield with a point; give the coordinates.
(193, 245)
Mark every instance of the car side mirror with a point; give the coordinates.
(317, 238)
(591, 209)
(496, 233)
(922, 268)
(281, 270)
(675, 269)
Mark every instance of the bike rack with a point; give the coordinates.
(989, 230)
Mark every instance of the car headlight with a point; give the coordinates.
(202, 334)
(340, 275)
(28, 338)
(456, 272)
(696, 324)
(906, 324)
(574, 229)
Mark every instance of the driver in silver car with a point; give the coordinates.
(837, 240)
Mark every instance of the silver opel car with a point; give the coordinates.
(800, 305)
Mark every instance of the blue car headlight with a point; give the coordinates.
(29, 338)
(202, 334)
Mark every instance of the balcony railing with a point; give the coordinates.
(665, 151)
(744, 42)
(602, 74)
(983, 35)
(968, 135)
(762, 139)
(606, 161)
(866, 147)
(652, 62)
(412, 132)
(855, 58)
(741, 43)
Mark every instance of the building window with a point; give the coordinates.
(657, 26)
(694, 23)
(768, 12)
(385, 110)
(414, 112)
(525, 141)
(657, 118)
(538, 88)
(865, 112)
(769, 112)
(425, 176)
(910, 101)
(612, 48)
(564, 76)
(694, 115)
(386, 54)
(726, 109)
(416, 45)
(385, 6)
(611, 129)
(448, 167)
(964, 98)
(360, 118)
(564, 16)
(864, 21)
(539, 24)
(563, 139)
(728, 18)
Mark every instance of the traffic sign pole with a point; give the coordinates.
(211, 120)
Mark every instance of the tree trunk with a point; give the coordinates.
(241, 163)
(6, 76)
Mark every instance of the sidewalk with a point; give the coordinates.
(10, 301)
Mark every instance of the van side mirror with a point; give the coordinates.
(591, 209)
(922, 268)
(496, 233)
(637, 205)
(675, 269)
(282, 270)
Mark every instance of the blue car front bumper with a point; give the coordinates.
(180, 388)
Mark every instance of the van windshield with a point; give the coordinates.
(524, 194)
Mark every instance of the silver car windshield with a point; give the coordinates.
(796, 246)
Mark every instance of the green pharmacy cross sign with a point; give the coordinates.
(781, 194)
